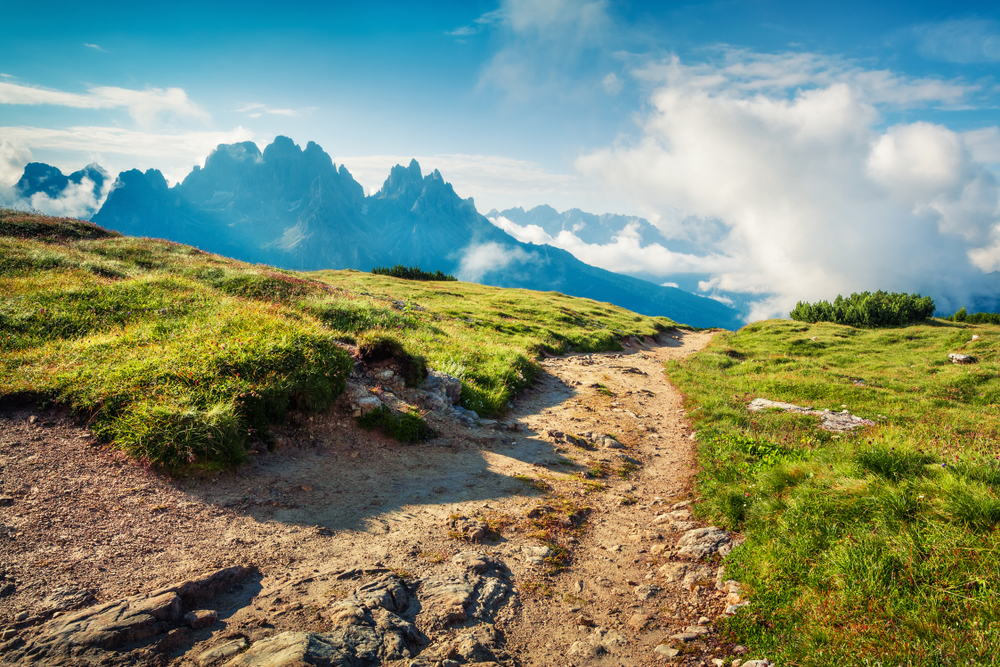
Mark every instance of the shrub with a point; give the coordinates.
(404, 426)
(411, 273)
(974, 318)
(867, 310)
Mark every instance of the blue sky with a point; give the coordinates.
(663, 110)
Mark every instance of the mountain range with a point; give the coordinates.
(295, 209)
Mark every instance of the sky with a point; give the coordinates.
(794, 150)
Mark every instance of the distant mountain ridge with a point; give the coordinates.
(295, 209)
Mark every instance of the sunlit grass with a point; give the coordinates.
(178, 356)
(881, 545)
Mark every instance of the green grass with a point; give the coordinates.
(879, 546)
(181, 357)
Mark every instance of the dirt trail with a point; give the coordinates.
(335, 507)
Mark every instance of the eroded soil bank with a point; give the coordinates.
(553, 544)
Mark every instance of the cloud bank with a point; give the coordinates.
(144, 106)
(813, 197)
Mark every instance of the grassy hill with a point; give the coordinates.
(875, 548)
(182, 357)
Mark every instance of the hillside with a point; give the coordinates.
(177, 354)
(879, 542)
(295, 209)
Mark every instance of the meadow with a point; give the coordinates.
(184, 358)
(877, 547)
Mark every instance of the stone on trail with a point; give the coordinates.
(201, 618)
(687, 575)
(665, 651)
(120, 632)
(703, 542)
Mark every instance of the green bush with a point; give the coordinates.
(974, 318)
(404, 426)
(867, 310)
(411, 273)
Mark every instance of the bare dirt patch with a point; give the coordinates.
(566, 520)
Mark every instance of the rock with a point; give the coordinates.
(368, 403)
(174, 638)
(682, 526)
(645, 592)
(733, 608)
(611, 443)
(93, 635)
(688, 575)
(657, 549)
(665, 651)
(685, 636)
(587, 650)
(201, 618)
(756, 663)
(223, 651)
(7, 634)
(703, 620)
(718, 662)
(386, 374)
(22, 616)
(961, 358)
(66, 598)
(697, 629)
(839, 422)
(442, 383)
(740, 650)
(536, 555)
(702, 542)
(638, 621)
(7, 590)
(6, 501)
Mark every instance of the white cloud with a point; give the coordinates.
(669, 285)
(625, 254)
(784, 152)
(173, 154)
(543, 44)
(77, 200)
(612, 84)
(95, 47)
(145, 106)
(960, 40)
(13, 157)
(480, 259)
(258, 109)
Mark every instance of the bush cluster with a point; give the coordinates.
(411, 273)
(867, 310)
(974, 318)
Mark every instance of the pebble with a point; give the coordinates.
(9, 633)
(22, 616)
(6, 501)
(201, 618)
(665, 651)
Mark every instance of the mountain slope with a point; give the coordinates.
(294, 209)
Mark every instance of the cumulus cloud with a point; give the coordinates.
(483, 258)
(960, 40)
(13, 157)
(785, 154)
(145, 106)
(172, 153)
(625, 254)
(77, 200)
